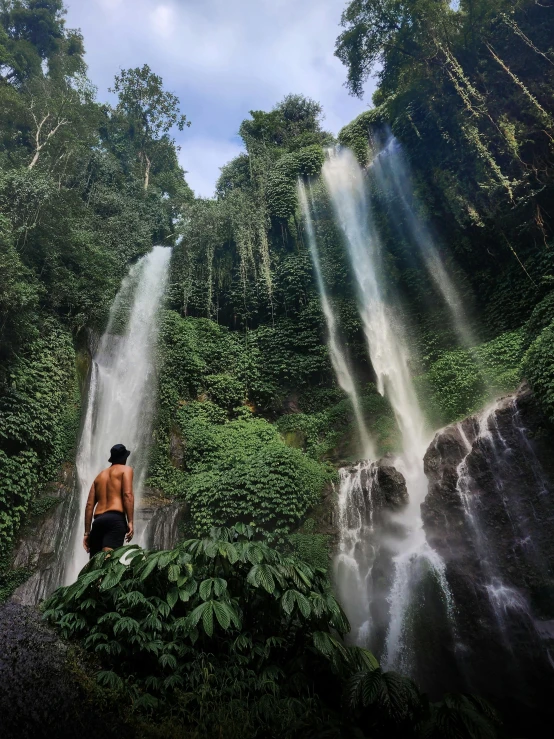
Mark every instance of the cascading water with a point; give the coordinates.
(490, 515)
(505, 599)
(354, 560)
(392, 174)
(336, 351)
(390, 360)
(122, 394)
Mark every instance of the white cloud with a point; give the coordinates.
(163, 20)
(222, 58)
(203, 158)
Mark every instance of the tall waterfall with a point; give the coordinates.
(392, 174)
(390, 360)
(122, 394)
(336, 351)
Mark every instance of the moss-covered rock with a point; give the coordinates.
(45, 685)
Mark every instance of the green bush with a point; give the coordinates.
(538, 367)
(356, 134)
(242, 470)
(225, 390)
(226, 636)
(461, 381)
(39, 413)
(332, 432)
(222, 629)
(541, 317)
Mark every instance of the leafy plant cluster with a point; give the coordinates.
(461, 381)
(281, 184)
(233, 465)
(227, 636)
(39, 415)
(538, 363)
(330, 431)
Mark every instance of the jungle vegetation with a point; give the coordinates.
(251, 423)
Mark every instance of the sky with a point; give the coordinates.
(222, 58)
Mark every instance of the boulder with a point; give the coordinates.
(45, 688)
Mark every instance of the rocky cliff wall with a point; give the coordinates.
(489, 513)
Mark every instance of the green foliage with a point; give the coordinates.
(38, 423)
(461, 381)
(227, 636)
(10, 579)
(310, 547)
(541, 317)
(32, 33)
(281, 182)
(243, 471)
(150, 112)
(218, 618)
(538, 367)
(234, 466)
(331, 432)
(356, 135)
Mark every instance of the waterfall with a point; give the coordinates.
(488, 442)
(392, 173)
(122, 393)
(390, 359)
(353, 563)
(489, 513)
(336, 351)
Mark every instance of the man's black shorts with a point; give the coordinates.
(108, 530)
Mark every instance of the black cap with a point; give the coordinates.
(118, 454)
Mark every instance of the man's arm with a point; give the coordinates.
(89, 509)
(128, 501)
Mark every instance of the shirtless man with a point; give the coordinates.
(112, 502)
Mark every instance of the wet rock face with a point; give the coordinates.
(161, 519)
(43, 538)
(176, 449)
(489, 513)
(390, 492)
(41, 693)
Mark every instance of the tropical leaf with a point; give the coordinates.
(208, 618)
(146, 702)
(168, 660)
(222, 612)
(205, 589)
(127, 624)
(262, 575)
(109, 679)
(172, 597)
(173, 572)
(194, 617)
(113, 577)
(148, 567)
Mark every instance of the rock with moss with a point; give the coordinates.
(45, 688)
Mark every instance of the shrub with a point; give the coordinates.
(538, 367)
(541, 317)
(222, 620)
(460, 381)
(226, 636)
(243, 471)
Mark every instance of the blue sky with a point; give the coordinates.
(222, 58)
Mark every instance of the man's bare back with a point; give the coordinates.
(111, 501)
